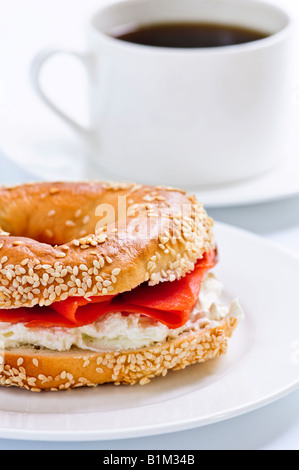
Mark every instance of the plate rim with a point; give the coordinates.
(159, 430)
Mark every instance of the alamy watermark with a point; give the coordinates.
(148, 221)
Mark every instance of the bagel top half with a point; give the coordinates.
(60, 240)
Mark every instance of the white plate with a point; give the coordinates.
(59, 155)
(262, 364)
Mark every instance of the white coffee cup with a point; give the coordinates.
(184, 117)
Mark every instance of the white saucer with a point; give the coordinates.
(60, 155)
(262, 364)
(280, 183)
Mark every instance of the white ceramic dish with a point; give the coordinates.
(261, 366)
(162, 111)
(62, 156)
(280, 183)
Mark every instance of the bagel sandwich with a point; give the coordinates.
(106, 283)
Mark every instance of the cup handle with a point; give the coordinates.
(35, 72)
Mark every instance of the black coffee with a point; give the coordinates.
(190, 35)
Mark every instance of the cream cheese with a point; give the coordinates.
(118, 332)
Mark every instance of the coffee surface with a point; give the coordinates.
(190, 35)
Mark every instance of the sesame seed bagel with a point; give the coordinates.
(65, 240)
(54, 243)
(42, 369)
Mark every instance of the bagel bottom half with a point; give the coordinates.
(42, 369)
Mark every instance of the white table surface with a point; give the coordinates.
(35, 25)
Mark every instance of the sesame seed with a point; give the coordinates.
(18, 243)
(54, 191)
(70, 223)
(116, 271)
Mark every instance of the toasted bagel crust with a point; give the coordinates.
(38, 370)
(50, 249)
